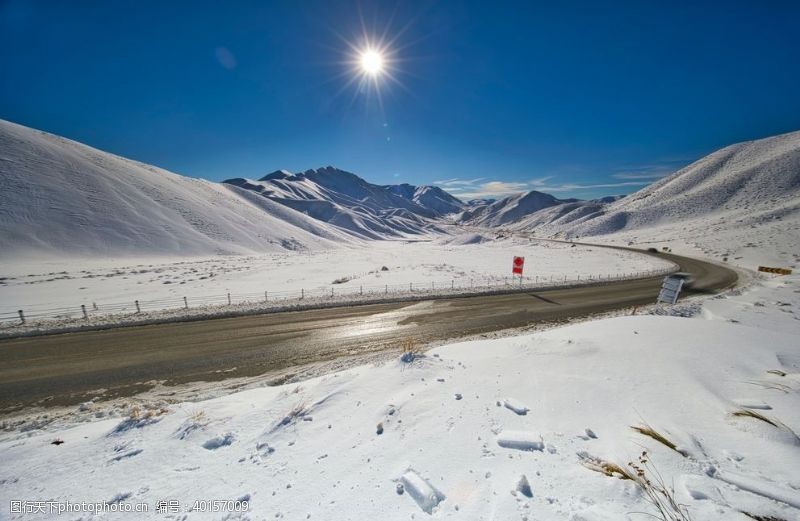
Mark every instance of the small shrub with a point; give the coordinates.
(410, 350)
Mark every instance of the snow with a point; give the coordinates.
(343, 199)
(520, 427)
(58, 196)
(508, 210)
(740, 203)
(159, 283)
(312, 448)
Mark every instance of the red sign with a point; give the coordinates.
(519, 262)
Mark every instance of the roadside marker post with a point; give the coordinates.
(21, 316)
(778, 271)
(83, 308)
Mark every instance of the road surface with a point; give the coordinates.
(65, 369)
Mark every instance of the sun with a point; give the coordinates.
(371, 62)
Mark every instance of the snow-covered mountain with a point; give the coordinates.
(508, 210)
(59, 196)
(431, 198)
(746, 184)
(345, 200)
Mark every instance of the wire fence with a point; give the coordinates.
(344, 292)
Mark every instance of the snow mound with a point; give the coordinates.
(468, 238)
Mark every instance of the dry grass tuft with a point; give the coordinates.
(773, 386)
(146, 412)
(198, 416)
(646, 477)
(762, 518)
(608, 468)
(753, 414)
(749, 413)
(647, 430)
(410, 350)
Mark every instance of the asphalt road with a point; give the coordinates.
(65, 369)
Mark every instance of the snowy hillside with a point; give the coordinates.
(345, 200)
(741, 203)
(59, 196)
(508, 210)
(431, 198)
(747, 183)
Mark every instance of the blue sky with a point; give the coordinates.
(579, 99)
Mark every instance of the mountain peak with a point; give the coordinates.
(277, 174)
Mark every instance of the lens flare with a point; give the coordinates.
(371, 62)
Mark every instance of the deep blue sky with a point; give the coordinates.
(488, 98)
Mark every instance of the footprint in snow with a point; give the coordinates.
(219, 441)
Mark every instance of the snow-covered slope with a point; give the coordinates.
(345, 200)
(747, 183)
(508, 210)
(753, 183)
(565, 214)
(59, 196)
(431, 198)
(507, 429)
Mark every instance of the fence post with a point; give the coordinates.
(453, 284)
(433, 285)
(21, 316)
(138, 310)
(302, 293)
(361, 289)
(266, 297)
(229, 299)
(331, 292)
(410, 286)
(185, 303)
(83, 308)
(386, 290)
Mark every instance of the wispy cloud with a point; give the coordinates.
(641, 175)
(625, 178)
(455, 182)
(481, 189)
(651, 171)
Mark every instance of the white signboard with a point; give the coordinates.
(670, 289)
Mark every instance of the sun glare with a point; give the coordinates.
(371, 62)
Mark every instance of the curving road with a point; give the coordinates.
(64, 369)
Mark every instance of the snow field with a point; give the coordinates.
(109, 289)
(448, 447)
